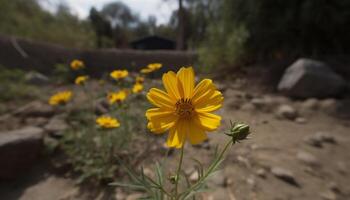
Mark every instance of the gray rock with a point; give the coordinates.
(194, 176)
(319, 139)
(218, 179)
(310, 104)
(284, 175)
(329, 106)
(36, 121)
(135, 196)
(248, 107)
(56, 127)
(19, 149)
(35, 109)
(287, 112)
(308, 159)
(36, 78)
(261, 172)
(300, 120)
(308, 78)
(328, 195)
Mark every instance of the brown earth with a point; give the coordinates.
(278, 162)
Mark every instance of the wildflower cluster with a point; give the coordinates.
(184, 109)
(92, 144)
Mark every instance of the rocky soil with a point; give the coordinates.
(298, 149)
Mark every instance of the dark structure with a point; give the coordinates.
(153, 43)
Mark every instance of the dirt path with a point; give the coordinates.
(283, 160)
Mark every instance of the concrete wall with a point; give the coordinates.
(42, 57)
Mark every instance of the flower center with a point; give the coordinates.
(184, 108)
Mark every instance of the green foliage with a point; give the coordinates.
(269, 29)
(223, 51)
(62, 73)
(14, 87)
(92, 150)
(25, 18)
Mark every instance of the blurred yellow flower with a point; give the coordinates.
(151, 68)
(184, 109)
(80, 80)
(60, 98)
(114, 97)
(140, 79)
(118, 74)
(107, 122)
(77, 64)
(137, 88)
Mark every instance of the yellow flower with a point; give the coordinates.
(114, 97)
(107, 122)
(60, 98)
(137, 88)
(184, 109)
(151, 68)
(118, 74)
(80, 80)
(77, 64)
(140, 79)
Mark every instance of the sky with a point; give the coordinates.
(161, 9)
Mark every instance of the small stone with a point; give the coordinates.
(342, 167)
(287, 112)
(310, 104)
(261, 172)
(194, 176)
(218, 179)
(35, 109)
(135, 196)
(36, 78)
(329, 105)
(284, 175)
(36, 121)
(251, 181)
(56, 127)
(119, 194)
(319, 139)
(248, 107)
(300, 120)
(329, 195)
(308, 159)
(334, 187)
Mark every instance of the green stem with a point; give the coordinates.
(178, 171)
(210, 170)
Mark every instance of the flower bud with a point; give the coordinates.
(239, 131)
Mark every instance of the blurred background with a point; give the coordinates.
(282, 65)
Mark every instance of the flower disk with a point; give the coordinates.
(107, 122)
(184, 109)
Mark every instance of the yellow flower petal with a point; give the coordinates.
(203, 88)
(177, 135)
(212, 102)
(159, 98)
(196, 134)
(207, 121)
(171, 85)
(160, 120)
(186, 78)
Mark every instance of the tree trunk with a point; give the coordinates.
(181, 28)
